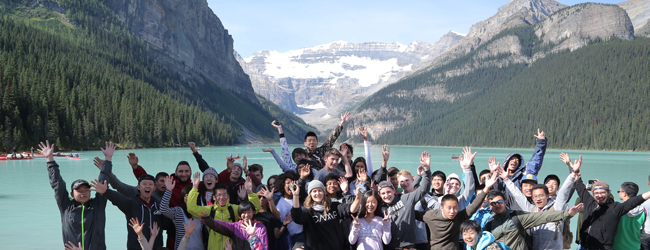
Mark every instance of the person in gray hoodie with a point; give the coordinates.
(401, 207)
(82, 218)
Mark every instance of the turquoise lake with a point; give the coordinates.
(31, 219)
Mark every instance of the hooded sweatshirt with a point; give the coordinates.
(600, 222)
(322, 231)
(402, 214)
(486, 240)
(468, 192)
(531, 167)
(79, 222)
(549, 235)
(145, 213)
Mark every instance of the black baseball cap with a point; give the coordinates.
(76, 184)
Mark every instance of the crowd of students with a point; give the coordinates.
(325, 199)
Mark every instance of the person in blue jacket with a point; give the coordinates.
(514, 163)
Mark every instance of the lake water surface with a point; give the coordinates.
(30, 218)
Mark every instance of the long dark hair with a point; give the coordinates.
(185, 191)
(364, 199)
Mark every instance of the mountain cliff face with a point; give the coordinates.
(567, 29)
(188, 37)
(513, 14)
(639, 12)
(316, 80)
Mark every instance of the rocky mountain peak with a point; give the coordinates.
(188, 37)
(639, 12)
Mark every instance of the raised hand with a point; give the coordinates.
(386, 216)
(344, 151)
(192, 146)
(47, 150)
(170, 183)
(287, 219)
(489, 182)
(136, 225)
(242, 192)
(385, 154)
(364, 133)
(108, 151)
(540, 135)
(467, 159)
(304, 172)
(196, 180)
(362, 176)
(98, 186)
(564, 157)
(345, 117)
(576, 209)
(295, 189)
(154, 230)
(244, 165)
(249, 227)
(190, 228)
(358, 191)
(575, 166)
(278, 126)
(267, 150)
(425, 160)
(133, 160)
(98, 163)
(492, 163)
(503, 174)
(577, 176)
(356, 220)
(204, 214)
(420, 170)
(343, 183)
(268, 194)
(71, 246)
(249, 185)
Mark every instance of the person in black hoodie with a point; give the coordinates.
(142, 206)
(601, 215)
(82, 218)
(320, 217)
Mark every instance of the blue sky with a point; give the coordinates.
(283, 25)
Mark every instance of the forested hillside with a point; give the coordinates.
(596, 97)
(79, 78)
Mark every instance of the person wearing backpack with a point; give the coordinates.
(510, 226)
(553, 235)
(221, 210)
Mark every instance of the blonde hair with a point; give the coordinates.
(309, 203)
(333, 151)
(404, 172)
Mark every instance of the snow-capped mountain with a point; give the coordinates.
(311, 81)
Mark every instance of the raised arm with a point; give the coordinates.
(348, 169)
(331, 139)
(137, 169)
(476, 204)
(164, 204)
(283, 165)
(414, 197)
(218, 227)
(530, 220)
(192, 208)
(466, 162)
(366, 148)
(56, 181)
(269, 198)
(297, 213)
(382, 173)
(203, 165)
(520, 200)
(565, 192)
(535, 163)
(107, 173)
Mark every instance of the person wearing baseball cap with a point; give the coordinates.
(83, 218)
(601, 216)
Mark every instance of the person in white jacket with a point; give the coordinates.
(549, 235)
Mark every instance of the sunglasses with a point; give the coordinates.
(495, 203)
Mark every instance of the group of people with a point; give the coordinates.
(325, 199)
